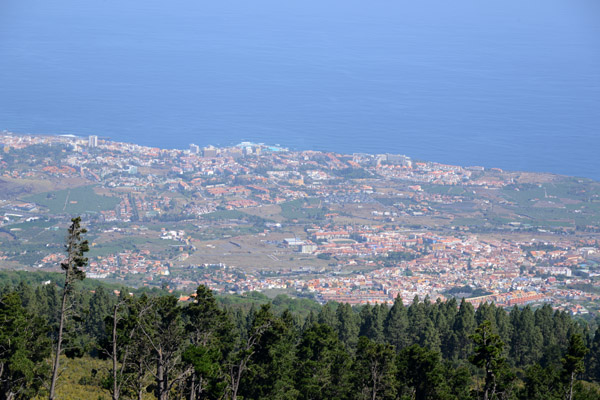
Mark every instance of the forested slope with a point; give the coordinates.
(151, 344)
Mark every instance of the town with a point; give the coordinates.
(354, 228)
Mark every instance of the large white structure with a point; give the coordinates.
(93, 141)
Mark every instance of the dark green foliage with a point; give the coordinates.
(585, 391)
(327, 314)
(347, 326)
(163, 329)
(395, 326)
(420, 371)
(593, 360)
(24, 347)
(458, 382)
(205, 361)
(526, 340)
(573, 363)
(133, 350)
(374, 370)
(372, 320)
(463, 328)
(488, 356)
(271, 374)
(323, 365)
(248, 347)
(100, 306)
(76, 248)
(542, 384)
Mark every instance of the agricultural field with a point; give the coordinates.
(78, 200)
(303, 210)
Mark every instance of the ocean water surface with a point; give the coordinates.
(507, 84)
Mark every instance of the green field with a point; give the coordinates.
(299, 210)
(569, 188)
(567, 203)
(224, 214)
(129, 243)
(73, 201)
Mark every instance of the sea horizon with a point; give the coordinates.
(511, 85)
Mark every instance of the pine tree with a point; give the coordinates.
(527, 340)
(347, 326)
(420, 372)
(118, 347)
(542, 384)
(543, 320)
(327, 315)
(127, 347)
(374, 370)
(163, 329)
(131, 346)
(562, 323)
(210, 331)
(99, 309)
(573, 363)
(24, 347)
(488, 355)
(417, 321)
(445, 325)
(27, 296)
(270, 374)
(396, 325)
(464, 327)
(311, 319)
(240, 359)
(76, 248)
(593, 370)
(323, 365)
(505, 329)
(486, 312)
(372, 322)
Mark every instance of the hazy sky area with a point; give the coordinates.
(511, 83)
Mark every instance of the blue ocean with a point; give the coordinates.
(503, 83)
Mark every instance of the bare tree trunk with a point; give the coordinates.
(570, 393)
(236, 376)
(193, 386)
(374, 376)
(140, 386)
(236, 384)
(59, 342)
(161, 378)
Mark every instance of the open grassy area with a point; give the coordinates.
(303, 209)
(80, 379)
(567, 203)
(73, 201)
(567, 189)
(220, 215)
(12, 188)
(224, 214)
(447, 190)
(117, 244)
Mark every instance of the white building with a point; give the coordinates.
(93, 141)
